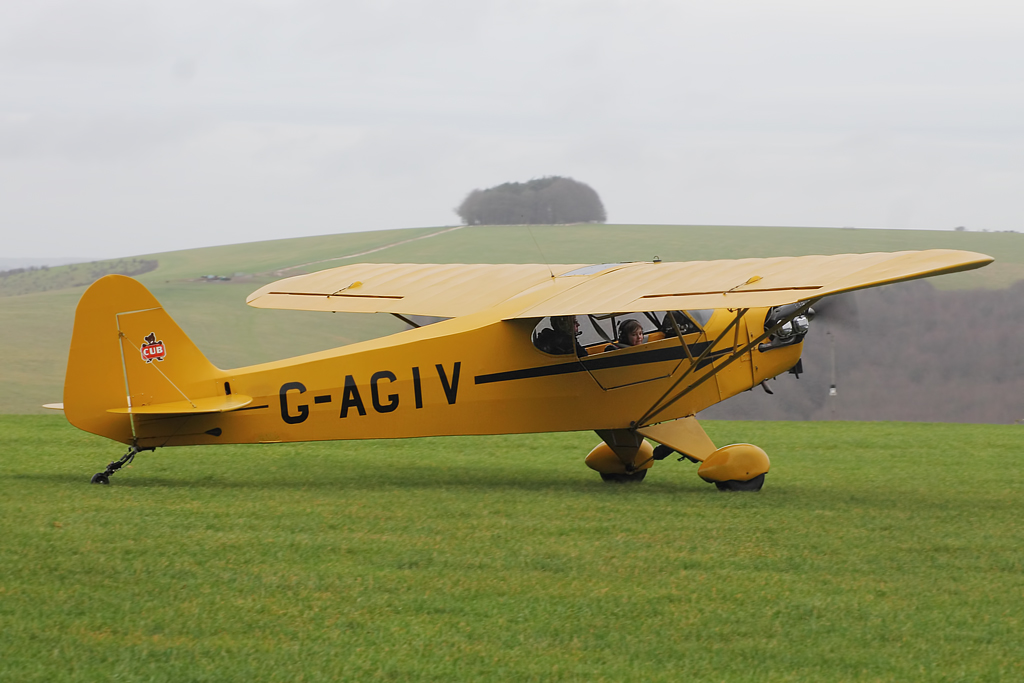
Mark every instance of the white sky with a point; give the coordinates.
(130, 127)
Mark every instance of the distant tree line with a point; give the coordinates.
(42, 278)
(551, 200)
(913, 353)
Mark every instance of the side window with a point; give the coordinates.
(550, 340)
(553, 335)
(599, 331)
(701, 316)
(559, 335)
(688, 322)
(610, 331)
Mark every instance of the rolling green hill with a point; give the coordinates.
(37, 310)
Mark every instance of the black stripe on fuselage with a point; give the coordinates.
(604, 362)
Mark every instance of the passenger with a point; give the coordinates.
(631, 333)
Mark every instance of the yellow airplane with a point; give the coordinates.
(632, 351)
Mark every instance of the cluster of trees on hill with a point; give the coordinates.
(914, 354)
(547, 201)
(43, 278)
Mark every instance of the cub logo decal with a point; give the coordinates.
(153, 350)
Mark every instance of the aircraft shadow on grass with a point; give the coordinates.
(790, 497)
(374, 481)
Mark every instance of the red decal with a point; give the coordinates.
(153, 350)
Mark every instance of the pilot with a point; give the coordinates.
(569, 326)
(562, 338)
(631, 333)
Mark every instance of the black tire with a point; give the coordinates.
(661, 451)
(100, 478)
(754, 484)
(631, 478)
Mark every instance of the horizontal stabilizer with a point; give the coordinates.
(216, 404)
(54, 406)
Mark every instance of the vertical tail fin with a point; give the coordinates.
(126, 352)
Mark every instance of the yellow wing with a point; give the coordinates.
(443, 291)
(453, 290)
(747, 283)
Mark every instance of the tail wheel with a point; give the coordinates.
(754, 484)
(631, 477)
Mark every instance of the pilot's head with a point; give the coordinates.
(567, 324)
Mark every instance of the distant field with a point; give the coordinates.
(35, 328)
(875, 552)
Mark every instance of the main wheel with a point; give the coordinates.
(100, 478)
(661, 451)
(632, 477)
(754, 484)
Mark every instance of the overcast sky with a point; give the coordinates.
(129, 127)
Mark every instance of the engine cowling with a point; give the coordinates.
(792, 332)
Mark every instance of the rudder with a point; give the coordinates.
(126, 351)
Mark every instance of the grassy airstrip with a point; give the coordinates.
(876, 552)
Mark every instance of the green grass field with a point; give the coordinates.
(875, 552)
(35, 327)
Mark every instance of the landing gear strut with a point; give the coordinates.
(104, 476)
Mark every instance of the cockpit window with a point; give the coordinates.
(599, 333)
(701, 316)
(606, 328)
(557, 335)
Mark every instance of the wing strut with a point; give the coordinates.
(655, 409)
(600, 330)
(679, 333)
(659, 407)
(405, 320)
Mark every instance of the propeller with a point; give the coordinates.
(838, 311)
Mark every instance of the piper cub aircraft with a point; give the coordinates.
(632, 351)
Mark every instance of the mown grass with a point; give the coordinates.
(875, 552)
